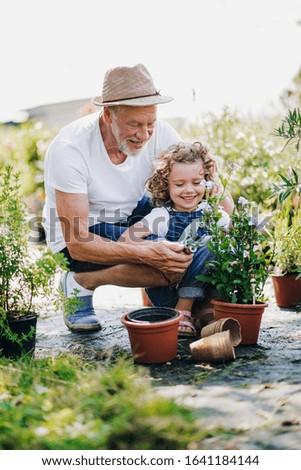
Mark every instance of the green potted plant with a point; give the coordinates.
(286, 262)
(287, 224)
(239, 269)
(26, 274)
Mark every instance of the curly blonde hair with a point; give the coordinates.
(157, 184)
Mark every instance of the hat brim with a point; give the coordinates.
(145, 101)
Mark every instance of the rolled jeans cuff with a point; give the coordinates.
(191, 292)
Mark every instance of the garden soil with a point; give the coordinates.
(253, 402)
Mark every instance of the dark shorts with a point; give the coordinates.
(110, 231)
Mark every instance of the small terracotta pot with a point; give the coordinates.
(287, 290)
(214, 348)
(248, 315)
(224, 324)
(153, 342)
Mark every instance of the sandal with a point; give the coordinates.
(186, 327)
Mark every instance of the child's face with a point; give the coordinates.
(185, 188)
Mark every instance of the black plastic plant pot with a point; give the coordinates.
(22, 326)
(152, 315)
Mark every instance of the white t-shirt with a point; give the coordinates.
(77, 162)
(157, 221)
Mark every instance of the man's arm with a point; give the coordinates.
(73, 210)
(135, 233)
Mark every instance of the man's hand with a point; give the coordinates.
(168, 257)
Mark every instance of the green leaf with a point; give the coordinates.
(296, 178)
(203, 278)
(288, 183)
(284, 195)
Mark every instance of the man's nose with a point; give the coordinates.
(143, 133)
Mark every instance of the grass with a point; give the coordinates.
(67, 403)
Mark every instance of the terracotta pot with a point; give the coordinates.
(224, 324)
(287, 290)
(20, 326)
(214, 348)
(153, 342)
(152, 315)
(249, 317)
(145, 300)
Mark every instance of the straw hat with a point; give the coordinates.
(130, 86)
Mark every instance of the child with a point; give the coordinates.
(178, 185)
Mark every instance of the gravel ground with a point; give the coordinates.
(253, 402)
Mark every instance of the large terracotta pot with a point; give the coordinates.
(153, 341)
(248, 316)
(287, 290)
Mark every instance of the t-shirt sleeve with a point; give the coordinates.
(66, 169)
(157, 221)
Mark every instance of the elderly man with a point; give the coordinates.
(95, 173)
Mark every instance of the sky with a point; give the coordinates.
(207, 54)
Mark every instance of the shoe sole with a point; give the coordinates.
(80, 327)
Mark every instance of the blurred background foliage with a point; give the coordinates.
(248, 143)
(24, 148)
(250, 146)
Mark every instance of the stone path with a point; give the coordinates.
(253, 402)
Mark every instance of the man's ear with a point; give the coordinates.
(107, 115)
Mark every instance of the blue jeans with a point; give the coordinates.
(188, 287)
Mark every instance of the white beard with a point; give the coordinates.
(124, 148)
